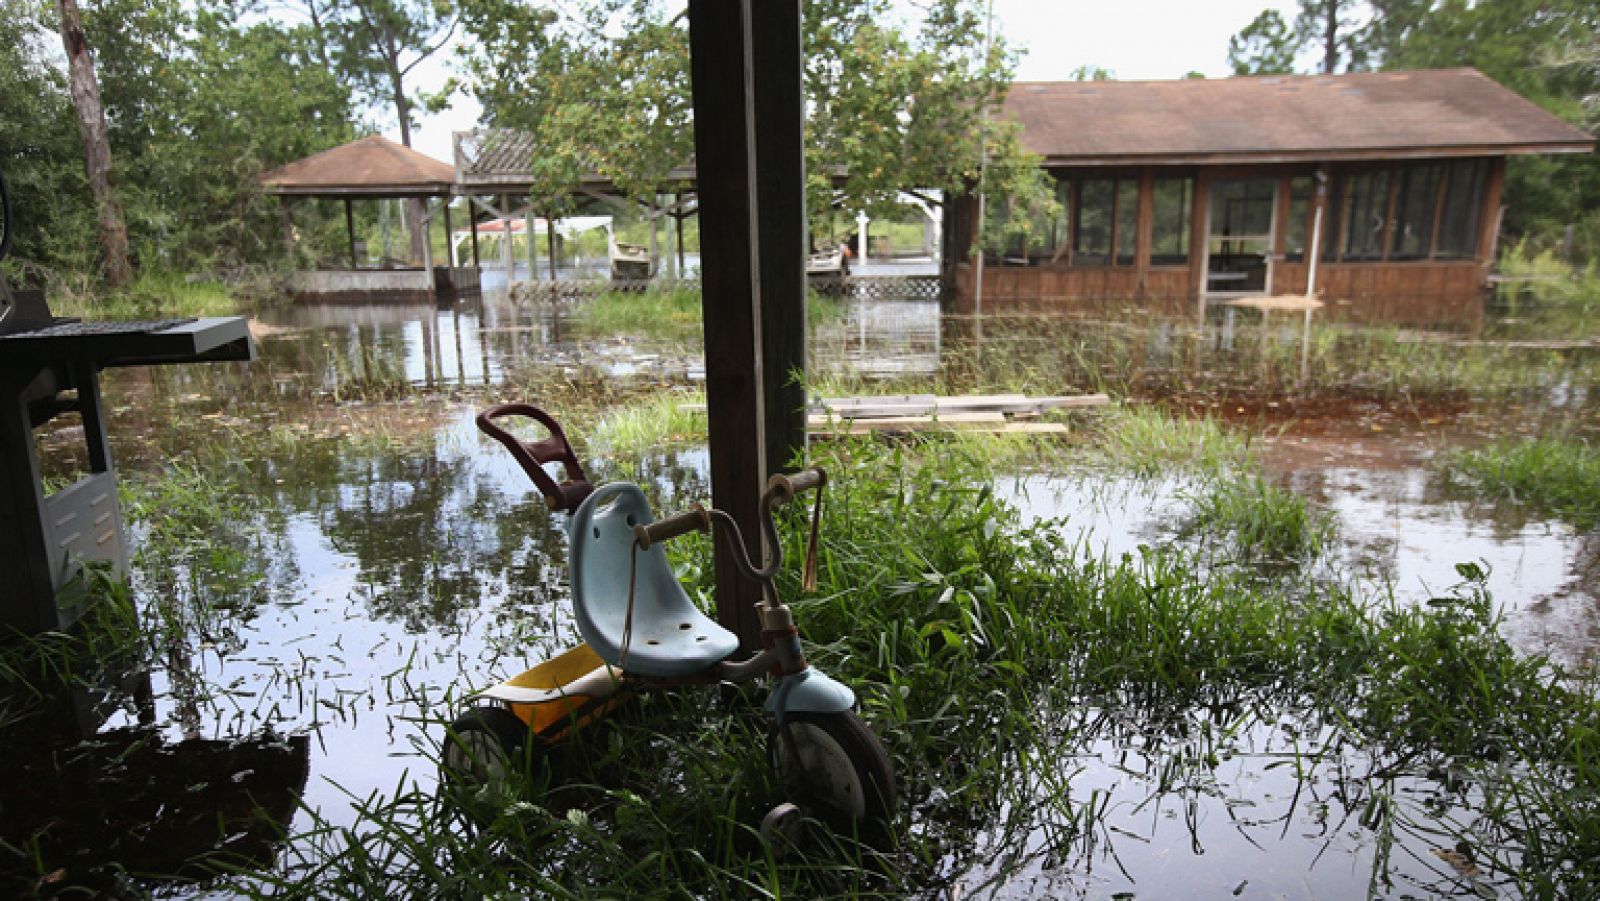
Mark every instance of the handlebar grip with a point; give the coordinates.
(695, 520)
(783, 488)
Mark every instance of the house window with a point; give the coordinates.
(1415, 204)
(1127, 219)
(1169, 238)
(1043, 237)
(1091, 223)
(1463, 205)
(1294, 246)
(1366, 212)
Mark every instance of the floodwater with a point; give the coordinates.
(388, 580)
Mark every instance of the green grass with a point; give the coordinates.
(657, 310)
(152, 295)
(1149, 441)
(667, 310)
(1558, 476)
(1263, 521)
(652, 423)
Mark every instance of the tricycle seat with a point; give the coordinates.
(670, 636)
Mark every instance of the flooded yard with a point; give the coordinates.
(328, 551)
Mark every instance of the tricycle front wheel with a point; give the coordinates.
(833, 763)
(486, 745)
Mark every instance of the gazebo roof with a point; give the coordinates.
(1284, 118)
(373, 166)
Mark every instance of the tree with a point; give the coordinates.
(96, 146)
(1267, 46)
(1339, 29)
(892, 109)
(40, 149)
(1334, 26)
(383, 41)
(380, 43)
(606, 90)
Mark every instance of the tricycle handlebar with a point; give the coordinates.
(782, 489)
(695, 520)
(532, 455)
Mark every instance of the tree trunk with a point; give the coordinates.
(402, 109)
(1330, 38)
(96, 146)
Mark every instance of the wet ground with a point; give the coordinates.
(388, 577)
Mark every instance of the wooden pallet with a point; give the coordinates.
(1009, 414)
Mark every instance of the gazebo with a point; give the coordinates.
(371, 168)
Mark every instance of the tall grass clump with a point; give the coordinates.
(34, 669)
(1261, 519)
(1148, 441)
(661, 420)
(1555, 475)
(672, 310)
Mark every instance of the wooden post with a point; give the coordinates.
(425, 227)
(680, 216)
(1490, 216)
(507, 257)
(449, 237)
(550, 244)
(472, 223)
(781, 222)
(350, 226)
(734, 189)
(1144, 233)
(1199, 239)
(286, 215)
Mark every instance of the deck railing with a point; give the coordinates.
(868, 287)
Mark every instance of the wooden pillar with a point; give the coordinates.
(550, 244)
(286, 217)
(507, 256)
(1144, 233)
(678, 220)
(778, 107)
(472, 223)
(449, 235)
(1390, 202)
(350, 227)
(1489, 218)
(1199, 244)
(735, 189)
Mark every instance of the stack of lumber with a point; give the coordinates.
(1011, 413)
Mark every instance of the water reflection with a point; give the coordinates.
(479, 342)
(1276, 803)
(1400, 533)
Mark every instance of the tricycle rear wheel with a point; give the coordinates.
(833, 763)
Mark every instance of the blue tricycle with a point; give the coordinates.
(641, 631)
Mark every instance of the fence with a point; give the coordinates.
(866, 287)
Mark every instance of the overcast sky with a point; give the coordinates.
(1135, 39)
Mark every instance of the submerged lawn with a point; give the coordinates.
(997, 664)
(1063, 722)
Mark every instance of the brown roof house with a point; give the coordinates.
(1179, 193)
